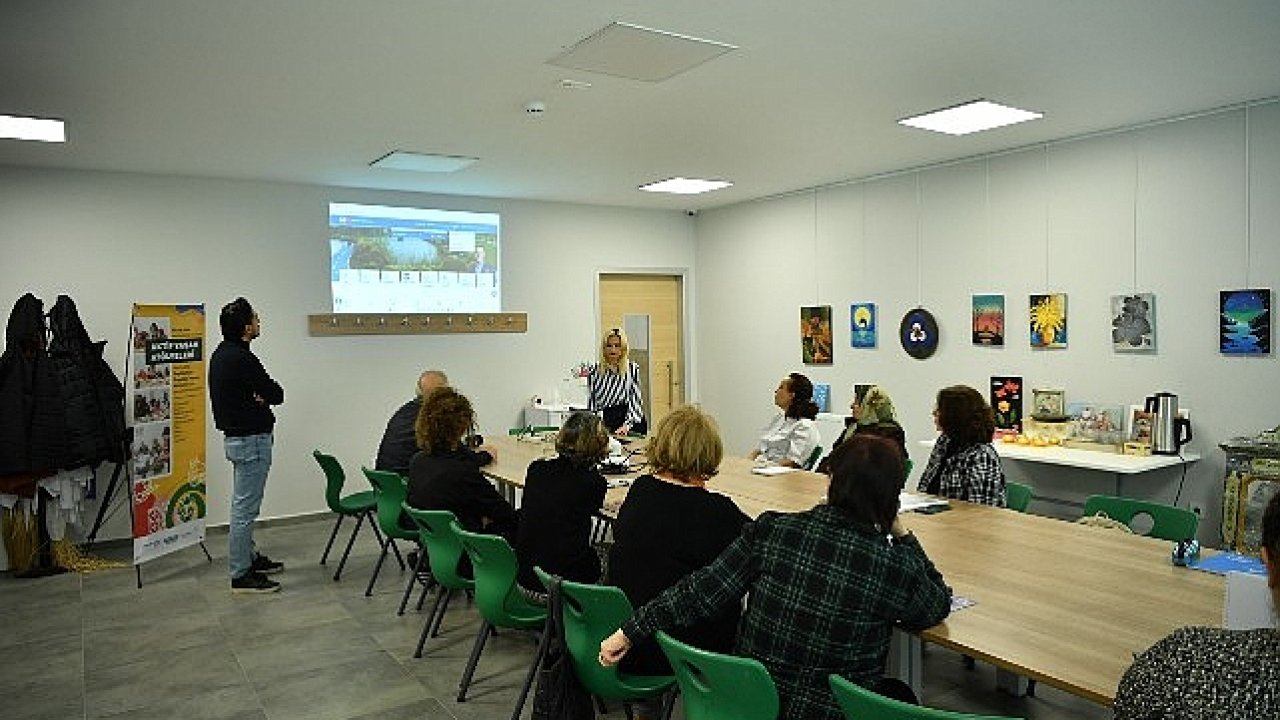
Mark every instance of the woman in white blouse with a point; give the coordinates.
(614, 387)
(790, 438)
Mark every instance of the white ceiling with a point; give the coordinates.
(311, 91)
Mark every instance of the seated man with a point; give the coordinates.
(399, 443)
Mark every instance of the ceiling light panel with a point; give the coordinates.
(15, 127)
(639, 53)
(685, 186)
(422, 162)
(970, 117)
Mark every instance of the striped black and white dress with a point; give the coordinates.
(616, 395)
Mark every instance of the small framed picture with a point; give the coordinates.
(1049, 404)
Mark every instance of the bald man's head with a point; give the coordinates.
(431, 380)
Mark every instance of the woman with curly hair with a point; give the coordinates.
(964, 465)
(445, 476)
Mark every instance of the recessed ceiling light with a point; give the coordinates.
(14, 127)
(685, 186)
(970, 117)
(422, 162)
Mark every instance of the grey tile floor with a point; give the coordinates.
(95, 646)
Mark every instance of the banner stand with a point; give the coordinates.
(165, 410)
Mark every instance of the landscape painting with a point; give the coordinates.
(1244, 322)
(988, 320)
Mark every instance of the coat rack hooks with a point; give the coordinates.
(334, 324)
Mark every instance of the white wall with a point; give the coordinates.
(109, 240)
(1159, 209)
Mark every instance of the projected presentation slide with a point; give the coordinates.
(395, 259)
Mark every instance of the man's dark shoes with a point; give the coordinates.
(254, 582)
(265, 565)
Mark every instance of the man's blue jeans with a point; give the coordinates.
(250, 458)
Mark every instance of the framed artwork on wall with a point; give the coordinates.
(988, 320)
(862, 325)
(822, 397)
(1133, 322)
(1006, 402)
(1048, 323)
(1244, 322)
(815, 335)
(918, 333)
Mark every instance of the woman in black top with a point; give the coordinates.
(561, 495)
(445, 476)
(670, 525)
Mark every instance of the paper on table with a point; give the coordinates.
(772, 470)
(911, 501)
(1248, 604)
(959, 602)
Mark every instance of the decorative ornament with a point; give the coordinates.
(918, 333)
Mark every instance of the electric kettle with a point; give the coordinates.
(1168, 431)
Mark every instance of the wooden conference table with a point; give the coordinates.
(1064, 604)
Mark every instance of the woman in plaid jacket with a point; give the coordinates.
(826, 587)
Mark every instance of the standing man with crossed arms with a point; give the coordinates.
(242, 394)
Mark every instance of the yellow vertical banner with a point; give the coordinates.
(166, 409)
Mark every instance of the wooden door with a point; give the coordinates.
(660, 298)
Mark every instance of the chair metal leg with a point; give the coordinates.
(435, 630)
(414, 578)
(426, 588)
(601, 709)
(329, 545)
(396, 549)
(442, 599)
(368, 591)
(474, 660)
(669, 702)
(373, 523)
(347, 551)
(538, 657)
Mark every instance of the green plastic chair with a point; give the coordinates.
(1170, 523)
(859, 703)
(720, 687)
(497, 596)
(907, 465)
(532, 430)
(359, 505)
(443, 550)
(813, 458)
(390, 490)
(592, 613)
(1017, 496)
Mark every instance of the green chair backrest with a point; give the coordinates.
(591, 613)
(334, 478)
(720, 687)
(444, 549)
(532, 429)
(859, 703)
(813, 457)
(1169, 523)
(391, 491)
(497, 596)
(1017, 496)
(907, 465)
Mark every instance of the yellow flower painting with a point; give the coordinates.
(1049, 320)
